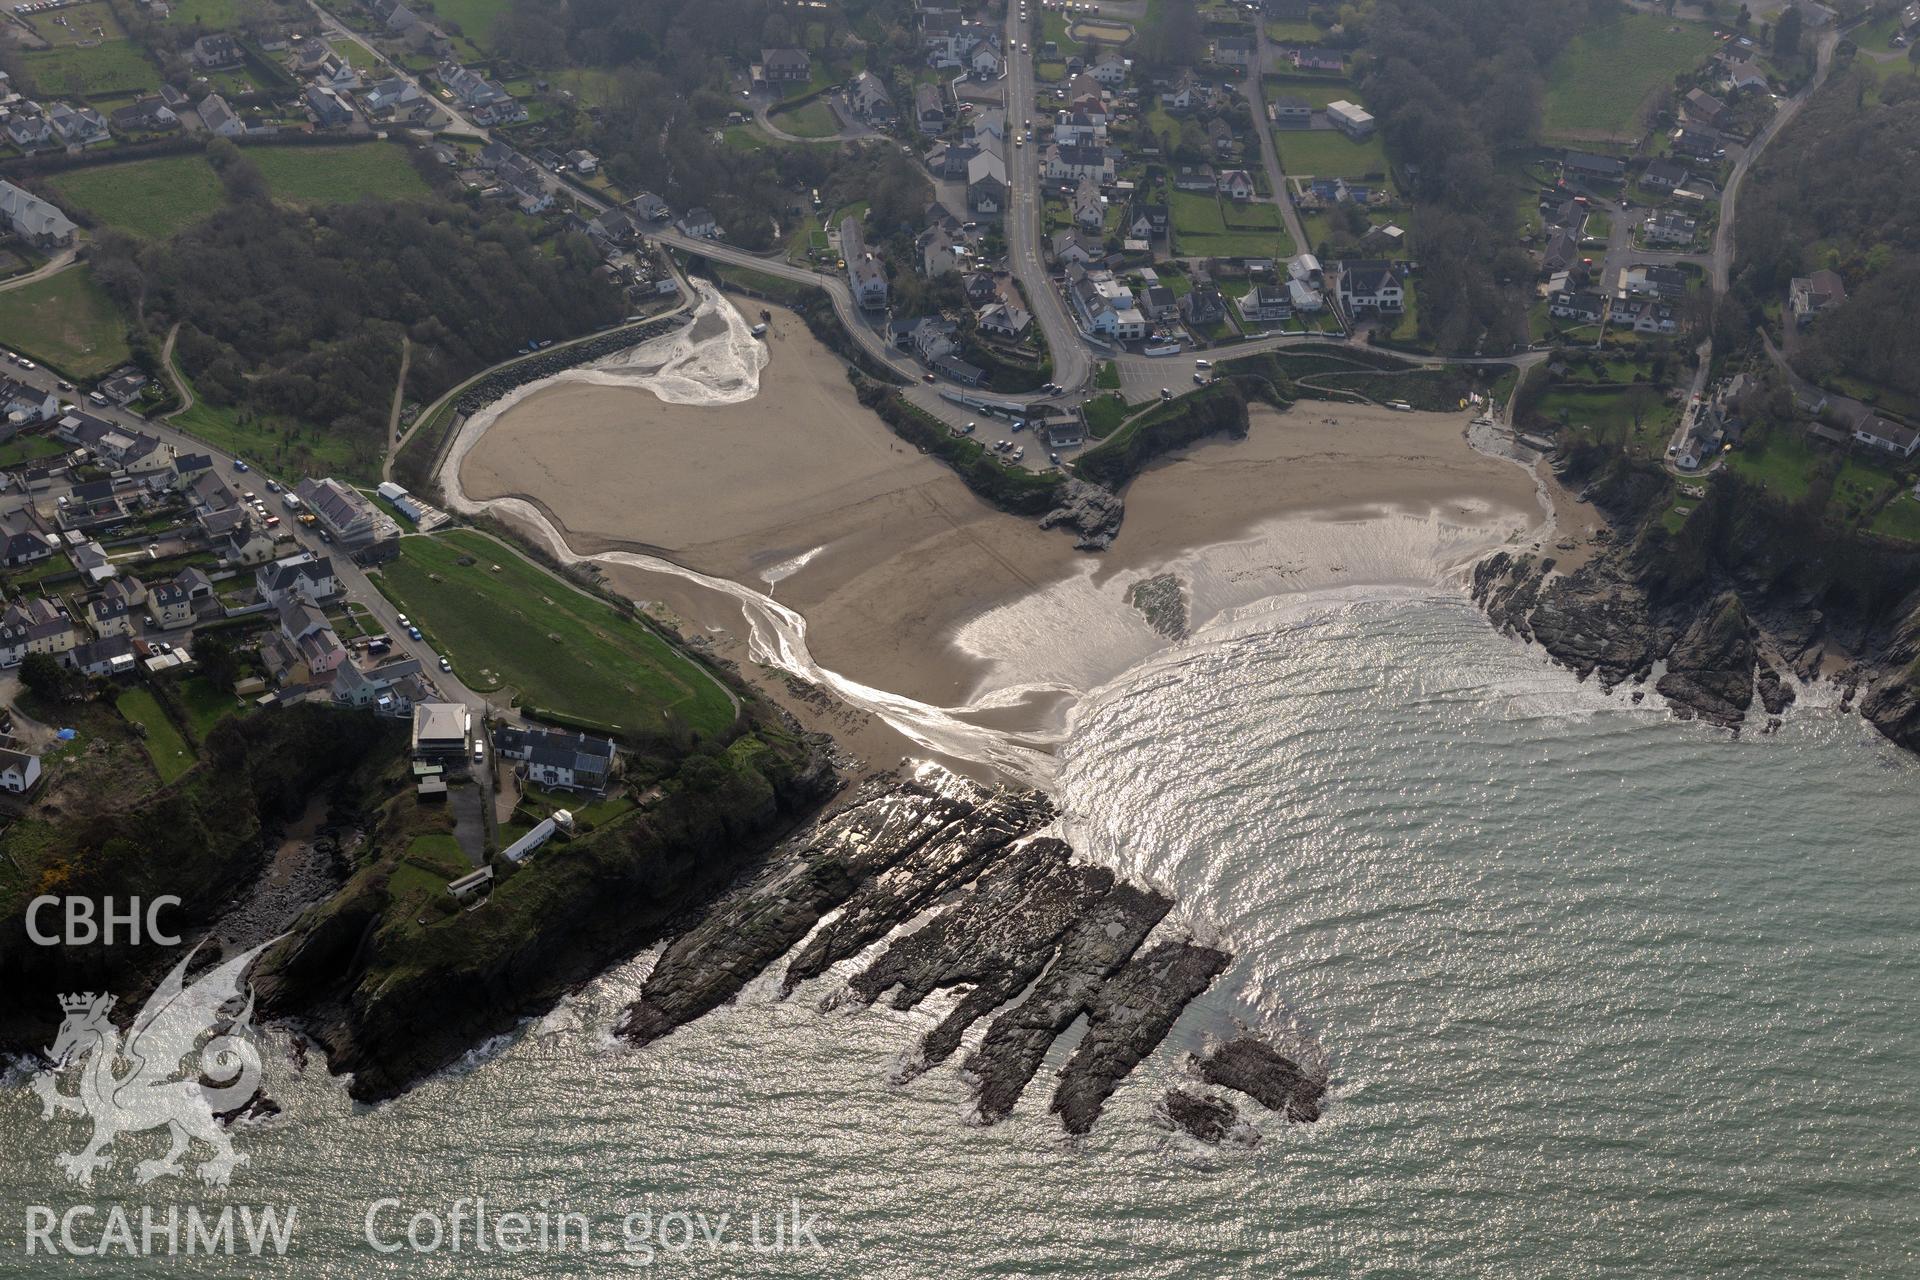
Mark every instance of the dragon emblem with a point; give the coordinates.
(129, 1081)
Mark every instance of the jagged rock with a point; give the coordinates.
(1710, 672)
(1089, 511)
(1162, 601)
(1264, 1074)
(1776, 695)
(1094, 949)
(998, 938)
(1131, 1014)
(924, 870)
(937, 826)
(1207, 1118)
(1893, 707)
(1594, 620)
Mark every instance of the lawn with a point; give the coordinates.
(67, 322)
(116, 66)
(813, 119)
(205, 704)
(1599, 82)
(339, 175)
(29, 449)
(215, 15)
(474, 18)
(1323, 153)
(1294, 31)
(1200, 230)
(1900, 518)
(1786, 464)
(169, 751)
(76, 23)
(1612, 412)
(505, 622)
(280, 444)
(150, 198)
(1317, 91)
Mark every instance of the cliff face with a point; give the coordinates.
(1749, 592)
(201, 839)
(393, 999)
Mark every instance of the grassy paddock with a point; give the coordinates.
(165, 745)
(67, 321)
(1597, 85)
(561, 650)
(149, 198)
(338, 175)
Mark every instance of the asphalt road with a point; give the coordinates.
(1026, 250)
(1269, 154)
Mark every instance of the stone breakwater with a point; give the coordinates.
(1012, 914)
(497, 384)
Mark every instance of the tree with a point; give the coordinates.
(44, 677)
(1786, 34)
(216, 657)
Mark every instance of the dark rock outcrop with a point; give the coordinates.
(1094, 949)
(1205, 1117)
(1710, 670)
(1088, 511)
(1131, 1015)
(1596, 621)
(996, 940)
(1264, 1074)
(1011, 912)
(932, 833)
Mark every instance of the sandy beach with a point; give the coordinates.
(801, 493)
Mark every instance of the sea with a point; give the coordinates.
(1599, 993)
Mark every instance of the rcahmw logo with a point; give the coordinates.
(149, 1094)
(84, 1232)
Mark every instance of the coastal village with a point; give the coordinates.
(449, 743)
(1059, 196)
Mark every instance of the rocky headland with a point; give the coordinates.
(1728, 613)
(1012, 914)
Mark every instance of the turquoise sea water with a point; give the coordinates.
(1602, 994)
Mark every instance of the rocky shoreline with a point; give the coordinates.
(1012, 913)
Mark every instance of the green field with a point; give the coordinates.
(150, 198)
(1323, 153)
(215, 15)
(117, 66)
(561, 650)
(279, 444)
(475, 18)
(1200, 229)
(1596, 87)
(814, 119)
(1317, 91)
(67, 322)
(1900, 518)
(1786, 464)
(79, 22)
(29, 449)
(1611, 412)
(169, 751)
(205, 704)
(338, 175)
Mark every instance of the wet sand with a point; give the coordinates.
(902, 555)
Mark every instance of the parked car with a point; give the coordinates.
(446, 663)
(238, 465)
(413, 633)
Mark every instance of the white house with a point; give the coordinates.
(19, 770)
